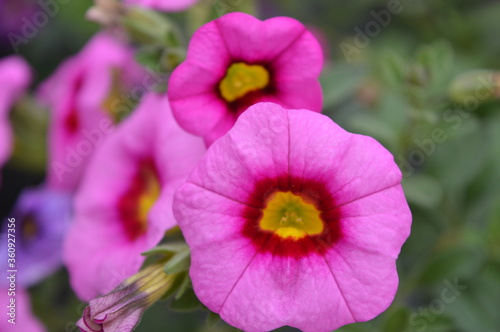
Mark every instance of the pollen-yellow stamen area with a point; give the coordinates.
(241, 79)
(147, 198)
(290, 216)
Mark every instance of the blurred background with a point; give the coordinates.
(420, 76)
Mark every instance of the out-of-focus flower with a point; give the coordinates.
(124, 205)
(293, 221)
(13, 15)
(86, 93)
(40, 217)
(164, 5)
(236, 61)
(121, 309)
(15, 76)
(18, 317)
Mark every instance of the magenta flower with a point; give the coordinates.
(15, 76)
(293, 221)
(237, 61)
(116, 214)
(41, 218)
(84, 95)
(164, 5)
(20, 319)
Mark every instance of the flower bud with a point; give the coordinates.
(121, 309)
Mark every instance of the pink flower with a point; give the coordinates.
(124, 204)
(237, 61)
(164, 5)
(22, 320)
(15, 76)
(84, 95)
(293, 221)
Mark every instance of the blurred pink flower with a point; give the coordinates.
(15, 77)
(164, 5)
(236, 61)
(83, 98)
(124, 204)
(24, 319)
(293, 221)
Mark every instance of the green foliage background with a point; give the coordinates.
(416, 87)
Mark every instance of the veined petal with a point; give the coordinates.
(300, 226)
(124, 205)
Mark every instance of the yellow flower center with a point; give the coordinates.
(241, 79)
(289, 216)
(147, 198)
(136, 203)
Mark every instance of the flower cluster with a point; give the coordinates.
(288, 218)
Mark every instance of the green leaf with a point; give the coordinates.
(29, 124)
(187, 302)
(148, 56)
(176, 285)
(423, 190)
(468, 312)
(179, 262)
(185, 285)
(392, 110)
(397, 320)
(393, 70)
(212, 319)
(459, 262)
(341, 82)
(167, 248)
(437, 59)
(368, 124)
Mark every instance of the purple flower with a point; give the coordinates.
(39, 220)
(12, 16)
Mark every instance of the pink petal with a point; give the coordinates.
(273, 292)
(207, 109)
(301, 60)
(341, 160)
(165, 5)
(255, 150)
(301, 95)
(251, 40)
(15, 76)
(24, 320)
(207, 49)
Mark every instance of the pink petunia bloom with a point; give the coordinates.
(116, 214)
(84, 95)
(293, 221)
(15, 76)
(16, 312)
(164, 5)
(236, 61)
